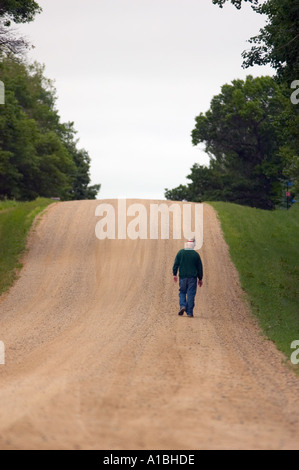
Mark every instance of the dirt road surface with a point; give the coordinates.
(97, 357)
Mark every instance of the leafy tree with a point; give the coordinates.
(38, 153)
(19, 11)
(81, 172)
(15, 11)
(181, 193)
(10, 42)
(243, 132)
(236, 3)
(277, 43)
(81, 188)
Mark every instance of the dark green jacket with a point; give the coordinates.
(189, 264)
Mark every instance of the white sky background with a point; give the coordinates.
(133, 74)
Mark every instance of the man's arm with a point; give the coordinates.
(199, 271)
(176, 267)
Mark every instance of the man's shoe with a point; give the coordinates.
(182, 311)
(190, 316)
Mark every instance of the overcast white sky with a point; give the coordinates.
(133, 74)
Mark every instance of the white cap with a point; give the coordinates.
(190, 245)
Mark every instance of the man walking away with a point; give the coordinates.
(189, 265)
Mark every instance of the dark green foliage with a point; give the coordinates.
(19, 11)
(277, 43)
(38, 153)
(236, 3)
(244, 133)
(81, 188)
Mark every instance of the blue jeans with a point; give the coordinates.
(188, 288)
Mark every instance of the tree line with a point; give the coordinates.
(251, 131)
(39, 155)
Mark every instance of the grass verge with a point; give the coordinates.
(264, 247)
(16, 219)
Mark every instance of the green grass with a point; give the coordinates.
(16, 218)
(264, 247)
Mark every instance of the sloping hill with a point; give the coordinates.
(97, 357)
